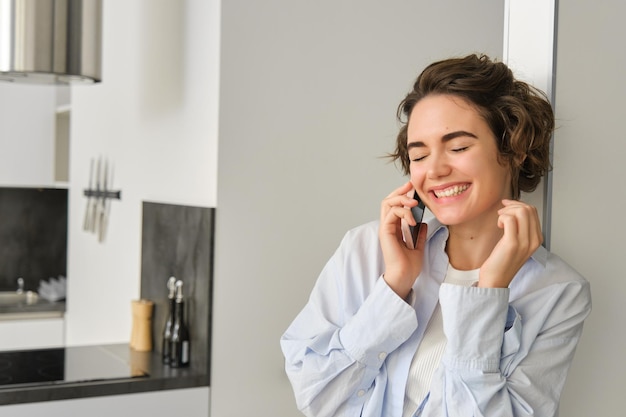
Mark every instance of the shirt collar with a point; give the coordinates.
(438, 233)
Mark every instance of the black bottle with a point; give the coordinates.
(180, 333)
(169, 324)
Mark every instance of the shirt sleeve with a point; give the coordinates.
(336, 347)
(506, 359)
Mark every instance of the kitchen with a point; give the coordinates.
(161, 147)
(163, 103)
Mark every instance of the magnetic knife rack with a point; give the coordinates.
(106, 194)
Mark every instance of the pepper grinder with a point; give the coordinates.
(141, 336)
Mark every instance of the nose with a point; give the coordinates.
(438, 166)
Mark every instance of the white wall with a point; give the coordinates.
(588, 227)
(27, 136)
(529, 41)
(308, 98)
(154, 117)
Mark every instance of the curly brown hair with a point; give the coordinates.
(519, 115)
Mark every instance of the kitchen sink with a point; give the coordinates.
(8, 298)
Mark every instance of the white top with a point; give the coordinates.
(430, 351)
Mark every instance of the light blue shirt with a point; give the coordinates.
(508, 351)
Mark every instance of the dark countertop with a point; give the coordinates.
(159, 377)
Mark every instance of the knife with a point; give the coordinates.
(103, 203)
(94, 206)
(87, 220)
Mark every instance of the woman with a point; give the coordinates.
(479, 319)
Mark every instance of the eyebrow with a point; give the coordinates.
(445, 138)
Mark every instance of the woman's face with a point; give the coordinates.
(454, 162)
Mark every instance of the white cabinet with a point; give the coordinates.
(31, 331)
(190, 402)
(28, 135)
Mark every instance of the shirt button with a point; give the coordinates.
(361, 393)
(382, 356)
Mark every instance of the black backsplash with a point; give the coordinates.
(33, 236)
(178, 241)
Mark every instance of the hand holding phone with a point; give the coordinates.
(410, 233)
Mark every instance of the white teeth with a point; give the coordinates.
(449, 192)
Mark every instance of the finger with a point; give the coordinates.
(526, 211)
(390, 230)
(403, 189)
(521, 228)
(398, 198)
(508, 202)
(398, 201)
(513, 204)
(508, 223)
(397, 213)
(391, 224)
(403, 194)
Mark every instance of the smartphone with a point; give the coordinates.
(409, 233)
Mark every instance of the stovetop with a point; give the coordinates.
(63, 365)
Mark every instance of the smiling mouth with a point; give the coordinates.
(451, 191)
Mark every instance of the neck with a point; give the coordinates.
(469, 246)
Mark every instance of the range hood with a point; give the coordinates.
(50, 41)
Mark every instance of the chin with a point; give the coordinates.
(448, 219)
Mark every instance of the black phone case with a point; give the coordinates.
(418, 215)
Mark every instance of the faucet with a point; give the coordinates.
(20, 285)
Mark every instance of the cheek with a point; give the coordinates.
(417, 175)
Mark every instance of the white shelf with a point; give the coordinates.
(64, 108)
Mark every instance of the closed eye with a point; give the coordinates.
(461, 149)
